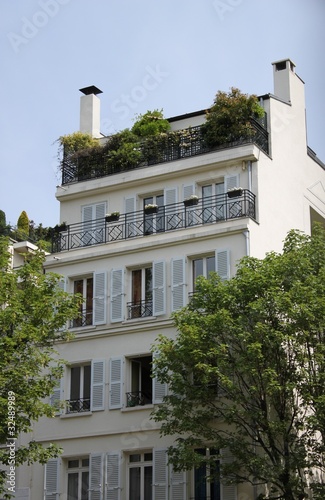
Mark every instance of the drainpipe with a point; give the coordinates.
(247, 242)
(249, 165)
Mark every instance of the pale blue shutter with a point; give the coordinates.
(56, 396)
(96, 476)
(228, 491)
(100, 212)
(52, 479)
(220, 200)
(97, 385)
(115, 383)
(117, 297)
(178, 485)
(172, 218)
(158, 288)
(178, 283)
(188, 190)
(223, 264)
(87, 225)
(130, 218)
(231, 181)
(159, 389)
(160, 474)
(170, 196)
(100, 298)
(113, 480)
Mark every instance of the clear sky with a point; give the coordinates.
(143, 54)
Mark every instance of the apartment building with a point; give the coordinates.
(179, 217)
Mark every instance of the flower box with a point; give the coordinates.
(233, 193)
(151, 209)
(191, 201)
(112, 217)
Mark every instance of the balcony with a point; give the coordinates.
(77, 405)
(168, 147)
(139, 309)
(137, 398)
(210, 210)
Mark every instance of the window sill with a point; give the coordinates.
(145, 319)
(80, 414)
(137, 408)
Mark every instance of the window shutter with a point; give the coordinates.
(113, 486)
(160, 474)
(158, 288)
(223, 264)
(130, 222)
(100, 298)
(96, 476)
(221, 203)
(178, 485)
(170, 196)
(170, 200)
(231, 181)
(116, 383)
(117, 297)
(97, 385)
(159, 388)
(52, 479)
(188, 191)
(56, 396)
(178, 283)
(62, 285)
(228, 491)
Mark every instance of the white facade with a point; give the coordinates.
(135, 272)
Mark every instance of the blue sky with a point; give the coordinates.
(143, 54)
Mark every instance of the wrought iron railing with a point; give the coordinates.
(137, 398)
(173, 217)
(77, 405)
(167, 147)
(84, 319)
(139, 309)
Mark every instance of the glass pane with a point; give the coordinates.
(135, 383)
(197, 269)
(148, 457)
(148, 278)
(210, 265)
(86, 388)
(89, 302)
(75, 382)
(136, 457)
(136, 286)
(73, 486)
(72, 464)
(85, 462)
(84, 485)
(200, 483)
(148, 201)
(147, 483)
(134, 493)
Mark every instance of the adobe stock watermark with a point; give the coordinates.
(126, 103)
(11, 441)
(31, 27)
(224, 7)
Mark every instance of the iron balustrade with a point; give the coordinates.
(167, 147)
(78, 405)
(209, 210)
(84, 319)
(139, 309)
(137, 398)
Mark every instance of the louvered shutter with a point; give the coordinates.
(178, 485)
(99, 213)
(221, 198)
(96, 476)
(62, 285)
(130, 219)
(100, 298)
(52, 479)
(160, 474)
(158, 288)
(170, 200)
(159, 389)
(188, 191)
(190, 215)
(178, 283)
(231, 181)
(87, 225)
(170, 196)
(116, 383)
(56, 396)
(223, 264)
(228, 491)
(117, 297)
(113, 486)
(97, 385)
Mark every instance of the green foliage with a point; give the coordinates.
(23, 225)
(247, 370)
(152, 123)
(229, 118)
(33, 317)
(122, 150)
(4, 228)
(77, 141)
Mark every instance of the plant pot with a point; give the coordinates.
(235, 193)
(151, 210)
(60, 228)
(111, 218)
(191, 203)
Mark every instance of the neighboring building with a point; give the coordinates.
(134, 272)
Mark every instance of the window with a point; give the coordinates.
(213, 202)
(203, 267)
(78, 479)
(154, 222)
(141, 382)
(80, 381)
(84, 287)
(206, 478)
(140, 476)
(141, 293)
(93, 224)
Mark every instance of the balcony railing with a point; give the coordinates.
(137, 398)
(78, 405)
(139, 309)
(173, 217)
(169, 147)
(84, 319)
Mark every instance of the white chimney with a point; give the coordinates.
(283, 74)
(90, 111)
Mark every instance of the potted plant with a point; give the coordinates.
(113, 216)
(191, 200)
(234, 192)
(59, 228)
(151, 209)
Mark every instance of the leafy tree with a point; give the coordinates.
(77, 141)
(150, 124)
(247, 371)
(23, 225)
(33, 317)
(229, 118)
(4, 228)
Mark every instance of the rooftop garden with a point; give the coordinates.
(233, 119)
